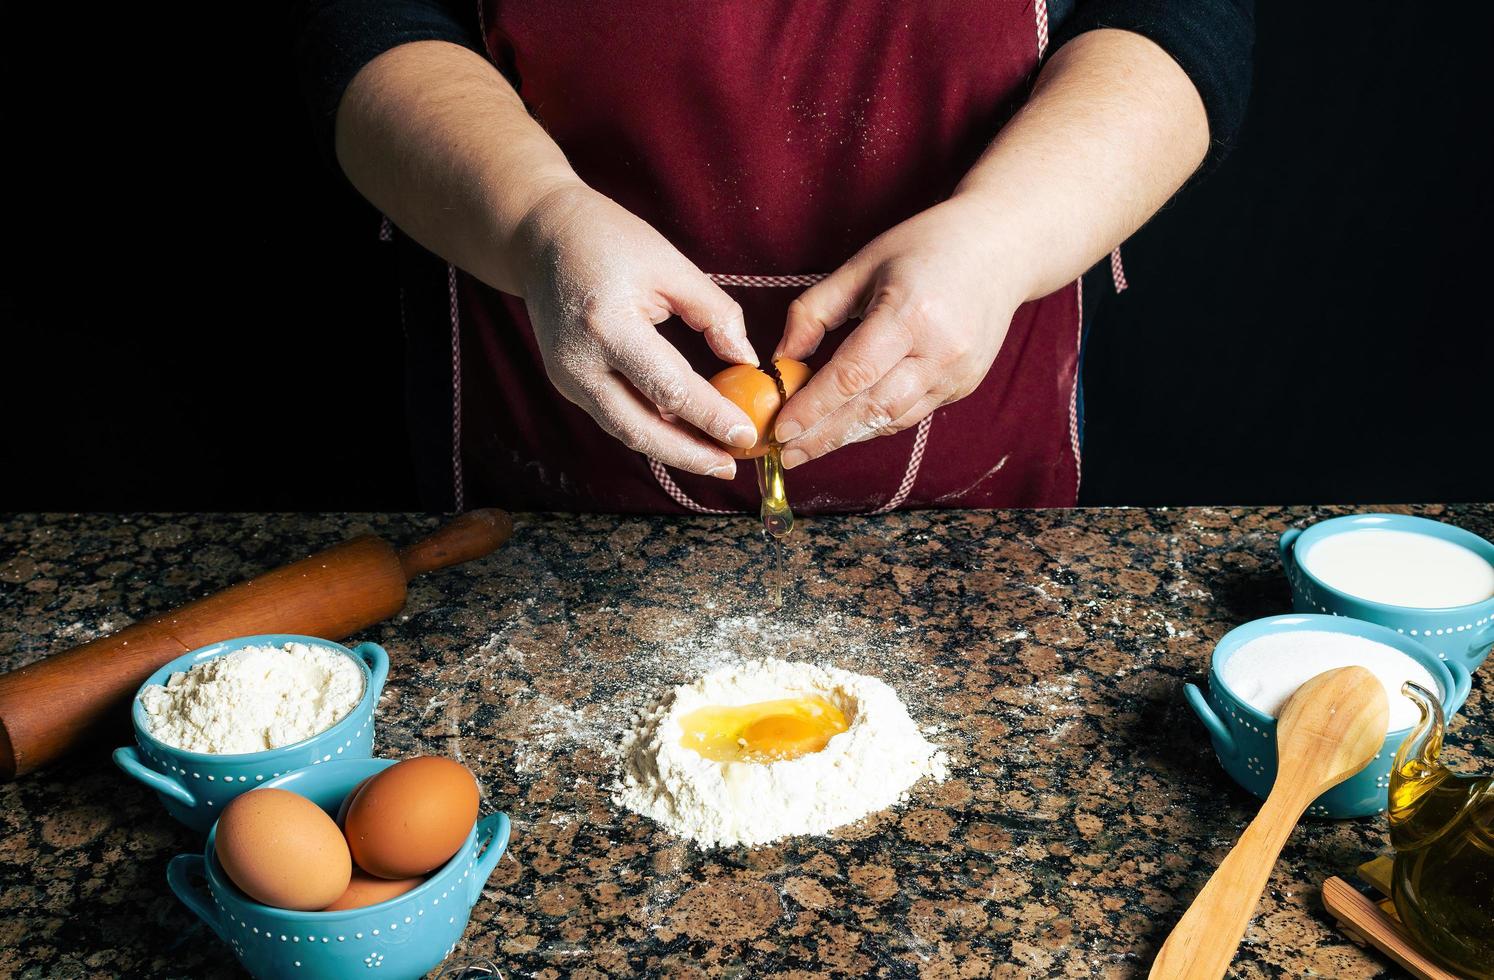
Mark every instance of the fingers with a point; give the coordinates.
(662, 375)
(625, 415)
(821, 308)
(881, 410)
(868, 354)
(707, 309)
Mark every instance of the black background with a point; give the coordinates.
(197, 315)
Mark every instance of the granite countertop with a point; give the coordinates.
(1047, 649)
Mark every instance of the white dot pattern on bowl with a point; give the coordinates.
(1257, 767)
(165, 765)
(1315, 602)
(374, 958)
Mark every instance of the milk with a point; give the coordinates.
(1267, 670)
(1400, 568)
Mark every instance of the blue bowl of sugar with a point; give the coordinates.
(1422, 578)
(1257, 667)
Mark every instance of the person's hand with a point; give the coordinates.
(936, 296)
(597, 279)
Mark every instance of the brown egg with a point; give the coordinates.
(366, 889)
(412, 817)
(347, 801)
(283, 850)
(756, 393)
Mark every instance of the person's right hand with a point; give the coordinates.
(597, 280)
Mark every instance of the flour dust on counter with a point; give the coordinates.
(543, 725)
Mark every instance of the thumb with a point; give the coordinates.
(708, 310)
(821, 308)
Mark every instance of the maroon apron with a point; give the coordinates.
(768, 142)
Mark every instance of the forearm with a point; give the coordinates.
(1113, 129)
(440, 142)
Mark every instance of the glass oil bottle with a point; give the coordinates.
(1442, 828)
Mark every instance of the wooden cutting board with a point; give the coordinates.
(1363, 908)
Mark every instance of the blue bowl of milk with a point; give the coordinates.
(1422, 578)
(1257, 667)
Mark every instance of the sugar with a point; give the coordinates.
(1267, 670)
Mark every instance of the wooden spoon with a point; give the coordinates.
(1330, 729)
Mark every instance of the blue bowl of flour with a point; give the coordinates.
(1244, 737)
(196, 786)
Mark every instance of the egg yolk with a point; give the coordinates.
(767, 731)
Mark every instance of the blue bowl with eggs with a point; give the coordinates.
(1462, 633)
(1245, 738)
(404, 937)
(196, 786)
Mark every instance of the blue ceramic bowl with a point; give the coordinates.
(1245, 739)
(405, 937)
(195, 786)
(1456, 633)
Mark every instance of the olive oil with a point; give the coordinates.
(1442, 828)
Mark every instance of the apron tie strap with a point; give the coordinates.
(1118, 271)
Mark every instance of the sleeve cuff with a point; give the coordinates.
(335, 39)
(1211, 40)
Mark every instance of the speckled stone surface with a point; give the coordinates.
(1046, 650)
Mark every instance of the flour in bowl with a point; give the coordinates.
(756, 751)
(253, 699)
(1267, 670)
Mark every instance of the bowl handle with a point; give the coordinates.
(496, 827)
(378, 663)
(128, 759)
(1223, 740)
(1482, 637)
(1284, 546)
(179, 874)
(1462, 684)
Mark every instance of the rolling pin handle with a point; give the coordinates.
(474, 534)
(378, 665)
(128, 759)
(179, 874)
(497, 826)
(1224, 742)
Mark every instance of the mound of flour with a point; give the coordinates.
(866, 768)
(253, 699)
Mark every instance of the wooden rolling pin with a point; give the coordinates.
(48, 707)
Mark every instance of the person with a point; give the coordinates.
(600, 205)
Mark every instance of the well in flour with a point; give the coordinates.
(790, 748)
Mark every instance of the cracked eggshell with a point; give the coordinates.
(754, 391)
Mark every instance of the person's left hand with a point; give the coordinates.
(936, 296)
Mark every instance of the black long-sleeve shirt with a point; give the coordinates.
(1210, 39)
